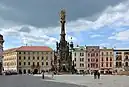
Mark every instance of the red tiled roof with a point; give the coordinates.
(34, 48)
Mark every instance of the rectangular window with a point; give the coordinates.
(80, 64)
(106, 58)
(88, 60)
(120, 64)
(80, 54)
(102, 65)
(74, 59)
(24, 58)
(106, 64)
(42, 58)
(28, 63)
(28, 58)
(37, 58)
(24, 63)
(110, 53)
(96, 54)
(19, 57)
(33, 58)
(110, 64)
(42, 63)
(96, 60)
(116, 64)
(96, 65)
(19, 52)
(82, 59)
(102, 58)
(110, 58)
(33, 63)
(19, 63)
(88, 65)
(46, 63)
(38, 63)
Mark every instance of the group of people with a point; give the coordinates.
(96, 74)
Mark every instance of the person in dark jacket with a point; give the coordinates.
(43, 75)
(98, 75)
(95, 73)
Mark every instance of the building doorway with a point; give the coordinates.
(24, 71)
(35, 71)
(20, 71)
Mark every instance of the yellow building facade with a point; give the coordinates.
(10, 59)
(29, 59)
(106, 61)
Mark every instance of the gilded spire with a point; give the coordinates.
(62, 15)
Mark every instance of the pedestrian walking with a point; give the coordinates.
(52, 74)
(95, 73)
(43, 75)
(98, 74)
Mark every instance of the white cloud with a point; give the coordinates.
(112, 16)
(95, 35)
(123, 36)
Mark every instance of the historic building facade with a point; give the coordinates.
(28, 59)
(79, 58)
(106, 60)
(1, 53)
(93, 59)
(10, 59)
(121, 60)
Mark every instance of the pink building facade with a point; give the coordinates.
(106, 61)
(93, 59)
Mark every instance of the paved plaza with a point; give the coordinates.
(30, 81)
(89, 81)
(63, 81)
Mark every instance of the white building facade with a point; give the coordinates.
(79, 58)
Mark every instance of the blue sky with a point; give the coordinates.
(89, 22)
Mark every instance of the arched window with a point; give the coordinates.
(126, 64)
(29, 71)
(126, 57)
(24, 71)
